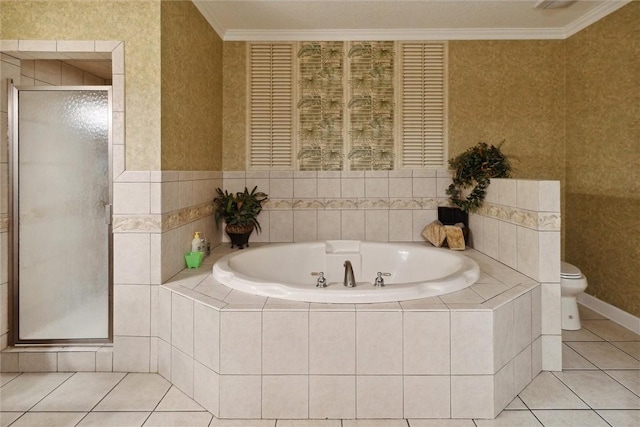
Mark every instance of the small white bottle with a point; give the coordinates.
(196, 243)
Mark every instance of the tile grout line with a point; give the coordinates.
(108, 392)
(48, 394)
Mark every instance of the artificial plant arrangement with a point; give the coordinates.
(240, 212)
(475, 168)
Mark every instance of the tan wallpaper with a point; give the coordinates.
(191, 90)
(602, 217)
(135, 22)
(513, 91)
(234, 106)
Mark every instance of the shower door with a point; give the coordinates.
(61, 199)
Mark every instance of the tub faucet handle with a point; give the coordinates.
(379, 282)
(322, 281)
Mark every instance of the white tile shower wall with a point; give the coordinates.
(372, 205)
(519, 225)
(56, 73)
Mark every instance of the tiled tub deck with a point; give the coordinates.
(462, 355)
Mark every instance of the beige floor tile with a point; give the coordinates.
(176, 400)
(178, 419)
(629, 378)
(572, 360)
(216, 422)
(6, 418)
(511, 419)
(81, 392)
(599, 390)
(28, 389)
(630, 347)
(49, 419)
(580, 335)
(548, 392)
(5, 377)
(570, 418)
(588, 314)
(516, 405)
(621, 417)
(308, 423)
(136, 392)
(604, 355)
(440, 423)
(374, 423)
(114, 419)
(610, 330)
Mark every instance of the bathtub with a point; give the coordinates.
(290, 271)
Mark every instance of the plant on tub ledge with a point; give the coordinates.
(475, 168)
(240, 212)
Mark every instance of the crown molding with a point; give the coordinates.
(419, 34)
(593, 16)
(210, 18)
(557, 33)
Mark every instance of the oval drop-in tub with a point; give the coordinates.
(289, 271)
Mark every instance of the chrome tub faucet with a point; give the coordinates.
(349, 278)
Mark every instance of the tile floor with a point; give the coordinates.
(599, 386)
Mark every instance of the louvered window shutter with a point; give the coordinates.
(271, 113)
(423, 127)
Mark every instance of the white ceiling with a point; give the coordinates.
(254, 20)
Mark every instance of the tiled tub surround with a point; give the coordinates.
(155, 216)
(519, 225)
(171, 206)
(461, 355)
(377, 205)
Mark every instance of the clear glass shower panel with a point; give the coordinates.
(63, 176)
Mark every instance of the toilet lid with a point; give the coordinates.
(569, 271)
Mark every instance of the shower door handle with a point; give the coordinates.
(107, 214)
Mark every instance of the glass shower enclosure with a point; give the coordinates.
(60, 247)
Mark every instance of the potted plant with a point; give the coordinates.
(475, 168)
(240, 212)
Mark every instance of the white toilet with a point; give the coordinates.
(572, 282)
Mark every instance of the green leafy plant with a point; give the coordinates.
(475, 168)
(241, 208)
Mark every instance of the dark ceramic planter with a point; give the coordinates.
(239, 235)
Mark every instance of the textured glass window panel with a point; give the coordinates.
(320, 105)
(63, 188)
(371, 109)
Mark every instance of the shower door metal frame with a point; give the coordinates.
(14, 216)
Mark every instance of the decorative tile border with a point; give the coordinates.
(161, 223)
(542, 221)
(346, 204)
(137, 223)
(184, 216)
